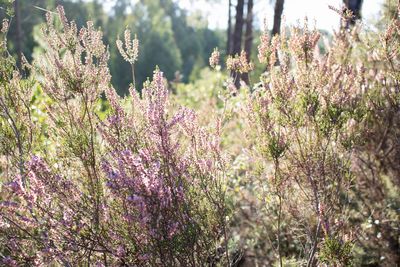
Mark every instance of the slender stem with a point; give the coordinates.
(18, 141)
(276, 163)
(133, 76)
(226, 239)
(279, 231)
(314, 247)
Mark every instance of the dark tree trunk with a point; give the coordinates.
(277, 17)
(238, 31)
(237, 37)
(229, 31)
(355, 7)
(18, 32)
(248, 39)
(276, 29)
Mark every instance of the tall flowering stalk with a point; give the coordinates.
(214, 59)
(129, 52)
(238, 65)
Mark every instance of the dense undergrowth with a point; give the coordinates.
(299, 169)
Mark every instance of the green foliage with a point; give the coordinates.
(335, 252)
(7, 7)
(276, 147)
(205, 89)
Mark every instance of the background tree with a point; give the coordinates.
(237, 36)
(229, 30)
(248, 39)
(238, 31)
(277, 16)
(18, 41)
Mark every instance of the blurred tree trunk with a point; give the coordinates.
(18, 32)
(238, 31)
(355, 7)
(229, 31)
(248, 39)
(277, 17)
(237, 37)
(276, 29)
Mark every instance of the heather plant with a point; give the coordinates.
(318, 135)
(179, 177)
(299, 169)
(15, 95)
(143, 187)
(300, 110)
(376, 156)
(60, 207)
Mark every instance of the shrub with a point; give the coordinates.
(145, 186)
(316, 125)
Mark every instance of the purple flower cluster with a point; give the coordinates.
(157, 164)
(148, 191)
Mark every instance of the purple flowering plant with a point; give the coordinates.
(145, 186)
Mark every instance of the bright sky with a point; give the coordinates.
(294, 11)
